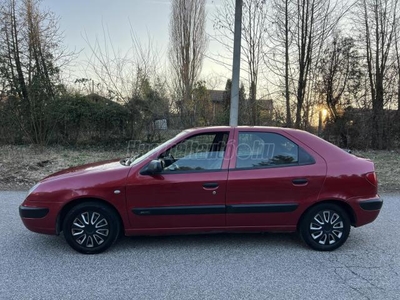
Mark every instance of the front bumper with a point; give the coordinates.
(33, 212)
(40, 217)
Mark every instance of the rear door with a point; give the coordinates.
(271, 180)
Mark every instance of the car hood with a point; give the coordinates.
(93, 168)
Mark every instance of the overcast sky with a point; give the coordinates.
(148, 18)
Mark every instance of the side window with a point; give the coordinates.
(197, 153)
(262, 149)
(305, 158)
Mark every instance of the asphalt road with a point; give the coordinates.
(225, 266)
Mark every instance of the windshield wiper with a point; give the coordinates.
(125, 161)
(129, 160)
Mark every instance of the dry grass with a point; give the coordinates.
(22, 166)
(387, 166)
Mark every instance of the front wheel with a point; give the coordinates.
(91, 227)
(325, 227)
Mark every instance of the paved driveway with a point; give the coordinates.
(227, 266)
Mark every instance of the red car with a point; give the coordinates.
(218, 179)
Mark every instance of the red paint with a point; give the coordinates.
(335, 176)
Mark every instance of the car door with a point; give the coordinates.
(189, 192)
(271, 180)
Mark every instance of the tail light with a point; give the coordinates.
(372, 179)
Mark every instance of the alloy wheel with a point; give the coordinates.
(90, 229)
(326, 227)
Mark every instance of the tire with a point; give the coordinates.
(325, 227)
(91, 227)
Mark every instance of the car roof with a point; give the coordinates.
(215, 128)
(329, 151)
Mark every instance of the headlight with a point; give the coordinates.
(32, 189)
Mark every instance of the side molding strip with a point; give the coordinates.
(180, 210)
(216, 209)
(261, 208)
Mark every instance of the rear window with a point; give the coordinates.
(263, 149)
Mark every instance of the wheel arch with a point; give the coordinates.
(345, 206)
(64, 211)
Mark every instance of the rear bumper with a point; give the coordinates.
(367, 210)
(371, 204)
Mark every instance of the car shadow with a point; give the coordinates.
(209, 241)
(53, 245)
(197, 242)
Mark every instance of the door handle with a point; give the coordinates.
(210, 185)
(300, 181)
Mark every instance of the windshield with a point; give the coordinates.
(143, 156)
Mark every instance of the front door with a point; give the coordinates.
(189, 192)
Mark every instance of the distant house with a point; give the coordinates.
(217, 99)
(217, 96)
(96, 98)
(264, 106)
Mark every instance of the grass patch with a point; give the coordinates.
(387, 166)
(23, 166)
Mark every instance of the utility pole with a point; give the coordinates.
(233, 120)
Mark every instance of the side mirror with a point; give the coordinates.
(154, 167)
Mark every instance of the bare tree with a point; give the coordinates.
(339, 69)
(30, 61)
(299, 30)
(397, 59)
(339, 78)
(280, 39)
(254, 31)
(287, 45)
(118, 73)
(378, 23)
(188, 44)
(133, 78)
(314, 23)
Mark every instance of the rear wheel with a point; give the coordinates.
(91, 227)
(325, 227)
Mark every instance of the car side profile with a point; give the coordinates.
(215, 179)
